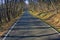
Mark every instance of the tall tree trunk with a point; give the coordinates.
(8, 16)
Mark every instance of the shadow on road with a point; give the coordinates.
(29, 36)
(30, 28)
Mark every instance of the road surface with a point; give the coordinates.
(30, 28)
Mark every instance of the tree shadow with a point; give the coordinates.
(55, 39)
(29, 36)
(30, 28)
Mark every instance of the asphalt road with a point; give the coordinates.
(30, 28)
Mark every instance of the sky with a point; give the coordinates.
(26, 1)
(1, 1)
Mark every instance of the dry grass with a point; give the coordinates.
(6, 26)
(53, 21)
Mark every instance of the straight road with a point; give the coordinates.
(30, 28)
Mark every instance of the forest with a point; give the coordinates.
(9, 11)
(48, 11)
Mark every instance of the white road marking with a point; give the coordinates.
(51, 27)
(55, 30)
(10, 30)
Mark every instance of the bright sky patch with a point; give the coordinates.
(26, 2)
